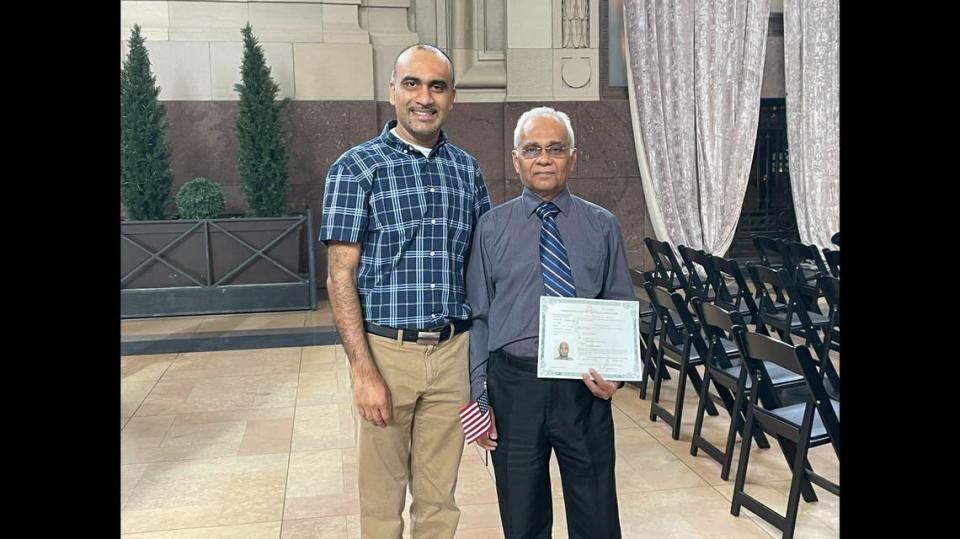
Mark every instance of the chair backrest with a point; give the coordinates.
(768, 281)
(760, 289)
(728, 299)
(832, 258)
(667, 271)
(698, 264)
(757, 349)
(717, 324)
(769, 251)
(835, 239)
(797, 305)
(664, 302)
(831, 292)
(805, 261)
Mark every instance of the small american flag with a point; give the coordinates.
(474, 418)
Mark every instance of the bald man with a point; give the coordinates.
(398, 218)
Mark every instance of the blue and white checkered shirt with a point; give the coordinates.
(414, 216)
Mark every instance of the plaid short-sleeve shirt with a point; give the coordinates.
(414, 216)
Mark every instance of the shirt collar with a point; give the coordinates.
(388, 138)
(531, 201)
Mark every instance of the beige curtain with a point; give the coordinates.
(812, 64)
(694, 75)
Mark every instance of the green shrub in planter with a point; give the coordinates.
(200, 198)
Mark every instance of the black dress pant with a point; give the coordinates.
(534, 415)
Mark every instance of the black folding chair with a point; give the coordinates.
(784, 315)
(733, 297)
(813, 422)
(769, 251)
(698, 279)
(805, 263)
(798, 319)
(667, 271)
(831, 292)
(835, 239)
(729, 375)
(680, 349)
(650, 328)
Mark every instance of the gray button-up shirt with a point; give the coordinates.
(504, 280)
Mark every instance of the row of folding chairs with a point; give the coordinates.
(708, 326)
(796, 256)
(722, 282)
(804, 266)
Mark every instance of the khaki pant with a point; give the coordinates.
(421, 445)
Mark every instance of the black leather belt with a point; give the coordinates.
(527, 364)
(420, 336)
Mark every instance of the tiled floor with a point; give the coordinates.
(260, 443)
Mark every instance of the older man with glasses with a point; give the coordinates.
(548, 242)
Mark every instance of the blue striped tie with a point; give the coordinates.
(557, 277)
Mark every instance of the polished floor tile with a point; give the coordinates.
(260, 530)
(146, 368)
(193, 365)
(206, 492)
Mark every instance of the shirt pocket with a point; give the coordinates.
(588, 271)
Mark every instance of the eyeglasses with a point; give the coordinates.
(557, 151)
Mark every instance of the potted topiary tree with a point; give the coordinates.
(145, 175)
(262, 154)
(202, 263)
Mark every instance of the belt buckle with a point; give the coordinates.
(428, 338)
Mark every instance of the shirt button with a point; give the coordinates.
(433, 221)
(432, 190)
(433, 285)
(433, 253)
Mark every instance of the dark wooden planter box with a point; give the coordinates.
(215, 266)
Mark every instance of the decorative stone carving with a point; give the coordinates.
(575, 72)
(576, 24)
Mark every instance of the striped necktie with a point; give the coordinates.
(557, 277)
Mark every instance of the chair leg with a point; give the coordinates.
(742, 464)
(761, 440)
(697, 382)
(758, 436)
(685, 369)
(799, 477)
(698, 424)
(648, 361)
(760, 327)
(785, 336)
(732, 434)
(726, 397)
(813, 301)
(789, 449)
(648, 354)
(828, 370)
(657, 383)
